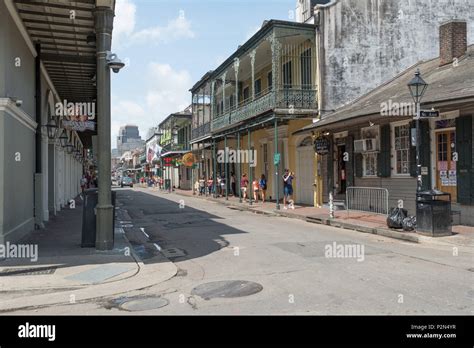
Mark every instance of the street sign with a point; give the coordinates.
(276, 159)
(429, 113)
(321, 145)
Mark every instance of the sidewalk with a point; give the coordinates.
(66, 273)
(353, 220)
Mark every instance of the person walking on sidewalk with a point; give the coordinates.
(232, 184)
(263, 187)
(288, 188)
(255, 187)
(210, 184)
(243, 185)
(202, 186)
(83, 183)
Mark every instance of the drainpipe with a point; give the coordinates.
(103, 27)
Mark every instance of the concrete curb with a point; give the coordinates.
(410, 237)
(157, 270)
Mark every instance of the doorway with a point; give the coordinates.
(446, 179)
(305, 172)
(341, 175)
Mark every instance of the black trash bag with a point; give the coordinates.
(409, 223)
(395, 217)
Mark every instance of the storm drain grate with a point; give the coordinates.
(7, 272)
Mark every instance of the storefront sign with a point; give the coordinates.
(79, 126)
(321, 145)
(168, 162)
(188, 160)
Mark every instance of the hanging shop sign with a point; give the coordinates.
(167, 162)
(188, 160)
(79, 126)
(321, 146)
(276, 159)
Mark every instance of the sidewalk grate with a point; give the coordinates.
(7, 272)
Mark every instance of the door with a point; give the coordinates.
(305, 175)
(446, 180)
(341, 170)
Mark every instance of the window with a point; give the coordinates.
(270, 80)
(258, 88)
(306, 69)
(287, 78)
(401, 148)
(369, 164)
(246, 93)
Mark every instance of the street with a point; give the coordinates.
(292, 266)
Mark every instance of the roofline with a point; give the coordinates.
(265, 29)
(178, 115)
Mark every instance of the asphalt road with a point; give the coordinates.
(294, 267)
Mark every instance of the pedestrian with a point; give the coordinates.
(202, 186)
(288, 188)
(263, 187)
(83, 183)
(210, 185)
(255, 188)
(232, 184)
(243, 185)
(223, 186)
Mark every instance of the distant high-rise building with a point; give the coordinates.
(129, 139)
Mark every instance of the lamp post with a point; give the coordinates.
(52, 129)
(417, 87)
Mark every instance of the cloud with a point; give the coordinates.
(176, 29)
(125, 33)
(168, 92)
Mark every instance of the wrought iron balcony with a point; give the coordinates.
(202, 130)
(291, 100)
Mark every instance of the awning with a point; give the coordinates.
(173, 153)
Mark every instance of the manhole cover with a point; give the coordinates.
(227, 289)
(144, 304)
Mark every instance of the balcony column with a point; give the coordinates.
(213, 85)
(236, 71)
(226, 164)
(250, 168)
(252, 55)
(223, 78)
(276, 52)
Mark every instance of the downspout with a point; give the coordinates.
(38, 107)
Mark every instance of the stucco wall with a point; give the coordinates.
(367, 42)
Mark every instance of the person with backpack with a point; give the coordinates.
(287, 187)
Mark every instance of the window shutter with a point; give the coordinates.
(412, 153)
(384, 164)
(358, 165)
(464, 166)
(350, 163)
(425, 153)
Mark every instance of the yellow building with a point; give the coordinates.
(263, 93)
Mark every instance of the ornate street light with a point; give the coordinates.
(69, 148)
(52, 128)
(417, 87)
(63, 138)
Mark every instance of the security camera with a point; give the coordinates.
(19, 103)
(114, 62)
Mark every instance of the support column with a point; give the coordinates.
(252, 55)
(250, 170)
(214, 169)
(236, 71)
(226, 168)
(275, 151)
(224, 76)
(239, 169)
(103, 28)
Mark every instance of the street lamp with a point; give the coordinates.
(52, 129)
(417, 87)
(63, 138)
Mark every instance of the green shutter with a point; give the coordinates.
(350, 163)
(465, 164)
(425, 153)
(384, 164)
(358, 165)
(412, 154)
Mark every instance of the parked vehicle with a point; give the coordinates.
(126, 181)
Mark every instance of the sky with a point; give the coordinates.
(168, 45)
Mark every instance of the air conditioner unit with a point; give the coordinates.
(365, 145)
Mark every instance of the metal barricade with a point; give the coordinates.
(370, 199)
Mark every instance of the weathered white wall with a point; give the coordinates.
(367, 42)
